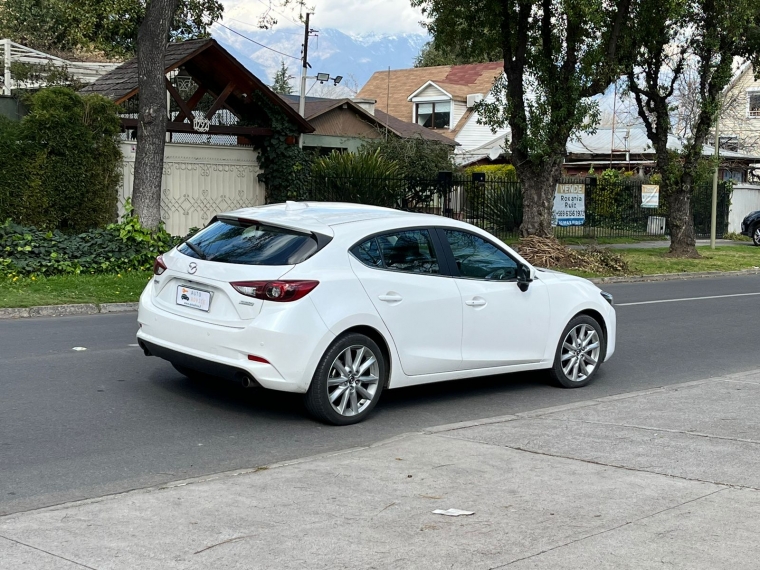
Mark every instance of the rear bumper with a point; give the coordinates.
(290, 339)
(209, 367)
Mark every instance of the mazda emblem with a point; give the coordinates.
(192, 268)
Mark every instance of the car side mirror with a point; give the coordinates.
(524, 277)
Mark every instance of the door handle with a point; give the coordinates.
(476, 302)
(390, 298)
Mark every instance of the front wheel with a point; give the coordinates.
(756, 235)
(581, 349)
(348, 381)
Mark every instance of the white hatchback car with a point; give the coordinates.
(340, 301)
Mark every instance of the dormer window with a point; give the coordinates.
(434, 115)
(754, 104)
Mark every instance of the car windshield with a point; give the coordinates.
(249, 243)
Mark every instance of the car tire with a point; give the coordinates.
(189, 372)
(756, 235)
(348, 381)
(580, 351)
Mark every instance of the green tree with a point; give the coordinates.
(281, 83)
(557, 54)
(431, 55)
(705, 36)
(107, 26)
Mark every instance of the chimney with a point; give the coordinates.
(366, 104)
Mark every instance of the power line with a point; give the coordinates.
(256, 26)
(258, 43)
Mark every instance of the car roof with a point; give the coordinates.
(321, 217)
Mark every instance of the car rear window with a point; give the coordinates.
(249, 243)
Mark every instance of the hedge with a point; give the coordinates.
(60, 166)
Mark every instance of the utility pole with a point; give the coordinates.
(7, 60)
(714, 208)
(302, 97)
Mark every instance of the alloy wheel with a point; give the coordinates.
(756, 236)
(580, 352)
(353, 380)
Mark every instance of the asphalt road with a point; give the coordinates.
(80, 424)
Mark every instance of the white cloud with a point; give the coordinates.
(352, 17)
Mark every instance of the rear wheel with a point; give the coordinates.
(756, 235)
(581, 349)
(348, 381)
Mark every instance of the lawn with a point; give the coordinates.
(652, 261)
(65, 289)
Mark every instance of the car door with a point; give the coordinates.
(422, 308)
(501, 325)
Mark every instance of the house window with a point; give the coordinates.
(434, 115)
(754, 104)
(729, 142)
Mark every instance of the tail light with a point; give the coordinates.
(278, 291)
(159, 266)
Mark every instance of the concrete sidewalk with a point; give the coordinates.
(666, 478)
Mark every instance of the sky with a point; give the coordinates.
(352, 17)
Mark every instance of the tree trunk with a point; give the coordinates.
(538, 186)
(683, 241)
(151, 128)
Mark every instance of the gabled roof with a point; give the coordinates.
(391, 89)
(204, 59)
(425, 86)
(317, 106)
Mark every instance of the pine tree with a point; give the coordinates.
(281, 84)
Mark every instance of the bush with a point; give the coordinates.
(505, 172)
(60, 166)
(126, 246)
(364, 178)
(414, 157)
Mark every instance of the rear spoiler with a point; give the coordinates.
(323, 234)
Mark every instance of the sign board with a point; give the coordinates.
(650, 196)
(569, 205)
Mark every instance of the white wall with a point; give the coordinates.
(199, 182)
(744, 199)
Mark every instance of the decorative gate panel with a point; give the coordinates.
(199, 182)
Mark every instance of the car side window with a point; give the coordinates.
(411, 251)
(368, 253)
(477, 258)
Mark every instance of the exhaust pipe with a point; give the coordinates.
(248, 382)
(144, 347)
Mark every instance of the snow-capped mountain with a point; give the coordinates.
(356, 58)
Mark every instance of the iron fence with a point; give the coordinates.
(606, 209)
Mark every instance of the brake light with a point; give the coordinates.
(159, 266)
(278, 291)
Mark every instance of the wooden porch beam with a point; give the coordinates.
(220, 100)
(174, 127)
(178, 98)
(192, 104)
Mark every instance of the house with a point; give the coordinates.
(740, 116)
(623, 148)
(440, 99)
(345, 124)
(219, 118)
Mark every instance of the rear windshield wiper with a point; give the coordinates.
(196, 249)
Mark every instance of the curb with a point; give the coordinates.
(67, 310)
(673, 276)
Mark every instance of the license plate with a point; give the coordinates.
(193, 298)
